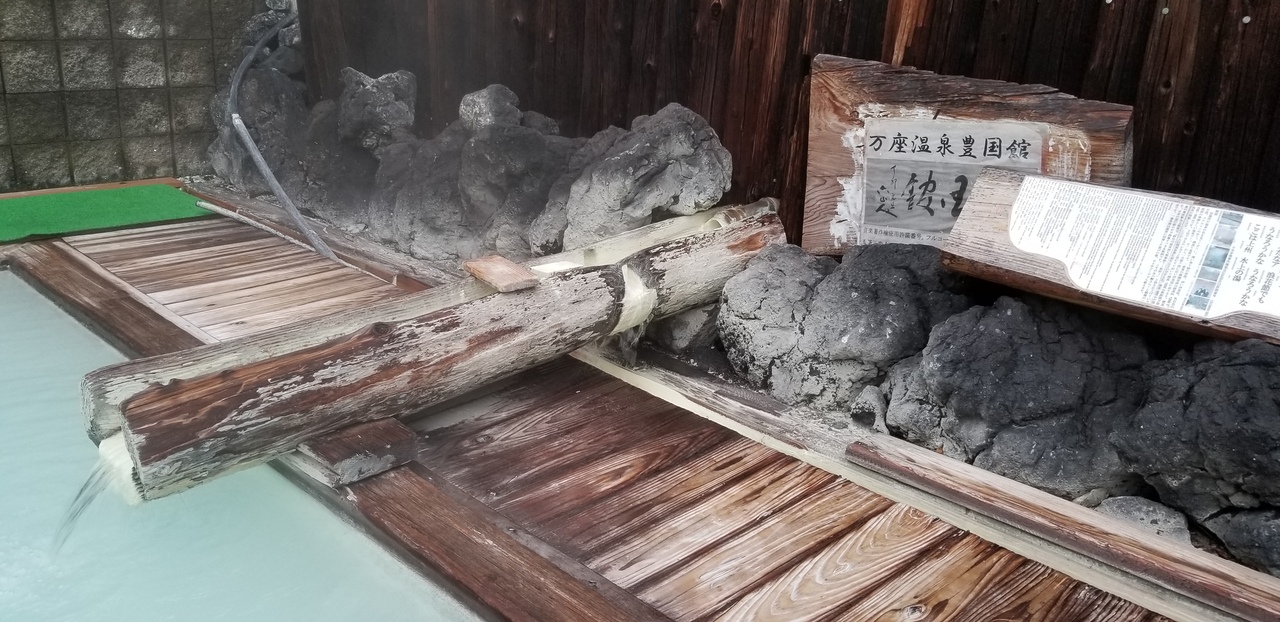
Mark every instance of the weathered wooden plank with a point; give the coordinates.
(551, 497)
(938, 586)
(845, 570)
(1087, 140)
(501, 273)
(789, 430)
(215, 288)
(980, 245)
(165, 277)
(158, 245)
(491, 559)
(121, 315)
(655, 551)
(542, 404)
(506, 473)
(1084, 603)
(364, 255)
(262, 323)
(600, 525)
(1231, 587)
(712, 581)
(310, 290)
(356, 452)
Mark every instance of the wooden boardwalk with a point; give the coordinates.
(703, 524)
(568, 494)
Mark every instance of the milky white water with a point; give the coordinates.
(246, 547)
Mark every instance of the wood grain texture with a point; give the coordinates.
(1232, 588)
(359, 451)
(186, 421)
(602, 524)
(501, 273)
(370, 257)
(711, 582)
(471, 547)
(1087, 140)
(979, 245)
(191, 428)
(856, 563)
(656, 551)
(118, 314)
(792, 431)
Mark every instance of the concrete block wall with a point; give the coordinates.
(94, 91)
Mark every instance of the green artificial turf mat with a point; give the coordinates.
(64, 213)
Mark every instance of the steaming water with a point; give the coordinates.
(250, 546)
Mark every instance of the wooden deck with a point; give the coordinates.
(571, 495)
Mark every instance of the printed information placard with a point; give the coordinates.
(918, 173)
(1175, 255)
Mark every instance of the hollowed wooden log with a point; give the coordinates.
(194, 415)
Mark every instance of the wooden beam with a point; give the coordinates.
(355, 452)
(194, 415)
(505, 567)
(980, 245)
(1083, 139)
(1190, 589)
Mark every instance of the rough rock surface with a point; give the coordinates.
(680, 333)
(505, 177)
(1152, 516)
(762, 306)
(493, 105)
(337, 175)
(274, 110)
(1251, 535)
(370, 110)
(1026, 389)
(671, 163)
(1211, 419)
(546, 233)
(841, 328)
(417, 207)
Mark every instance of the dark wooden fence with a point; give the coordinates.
(1203, 75)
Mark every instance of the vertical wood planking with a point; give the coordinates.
(1004, 39)
(1115, 62)
(1058, 53)
(1172, 91)
(1238, 112)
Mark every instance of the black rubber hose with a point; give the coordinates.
(243, 132)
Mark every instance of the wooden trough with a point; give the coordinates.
(562, 493)
(194, 415)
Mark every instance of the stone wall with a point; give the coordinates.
(106, 90)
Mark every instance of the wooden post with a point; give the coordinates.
(194, 415)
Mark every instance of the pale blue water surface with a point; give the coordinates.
(247, 547)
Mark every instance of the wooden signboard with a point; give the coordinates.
(1191, 263)
(894, 152)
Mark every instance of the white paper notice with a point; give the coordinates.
(919, 172)
(1175, 255)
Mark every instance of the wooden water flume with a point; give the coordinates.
(193, 415)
